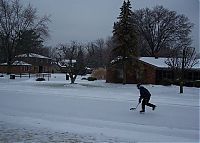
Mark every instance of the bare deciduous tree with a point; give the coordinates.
(97, 53)
(160, 27)
(14, 18)
(91, 54)
(183, 56)
(100, 48)
(109, 45)
(180, 60)
(72, 57)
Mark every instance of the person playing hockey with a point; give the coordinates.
(145, 96)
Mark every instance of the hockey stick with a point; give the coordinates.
(135, 107)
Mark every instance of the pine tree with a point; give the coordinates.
(124, 36)
(29, 41)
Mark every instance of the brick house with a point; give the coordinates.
(16, 67)
(34, 64)
(40, 64)
(146, 70)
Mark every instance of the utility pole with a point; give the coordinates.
(182, 72)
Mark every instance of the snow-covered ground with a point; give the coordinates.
(57, 111)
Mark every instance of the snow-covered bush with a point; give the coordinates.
(40, 79)
(84, 78)
(91, 78)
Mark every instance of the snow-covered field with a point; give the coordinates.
(57, 111)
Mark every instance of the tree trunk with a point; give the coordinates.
(182, 72)
(73, 78)
(181, 87)
(124, 72)
(9, 66)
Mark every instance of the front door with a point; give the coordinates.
(40, 69)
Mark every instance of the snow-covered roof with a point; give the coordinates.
(65, 63)
(18, 63)
(32, 55)
(116, 59)
(68, 61)
(158, 62)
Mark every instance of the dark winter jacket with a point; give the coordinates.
(144, 93)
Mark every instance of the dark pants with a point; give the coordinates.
(146, 102)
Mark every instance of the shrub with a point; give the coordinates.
(197, 83)
(166, 82)
(99, 73)
(83, 78)
(40, 79)
(193, 83)
(91, 78)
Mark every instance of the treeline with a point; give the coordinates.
(93, 54)
(157, 32)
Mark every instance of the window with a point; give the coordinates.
(26, 68)
(120, 74)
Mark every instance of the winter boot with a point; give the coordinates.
(153, 108)
(142, 111)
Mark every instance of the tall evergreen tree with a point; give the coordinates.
(29, 41)
(124, 36)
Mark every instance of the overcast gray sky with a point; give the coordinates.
(87, 20)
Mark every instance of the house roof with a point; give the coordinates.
(17, 63)
(160, 62)
(32, 55)
(157, 62)
(66, 62)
